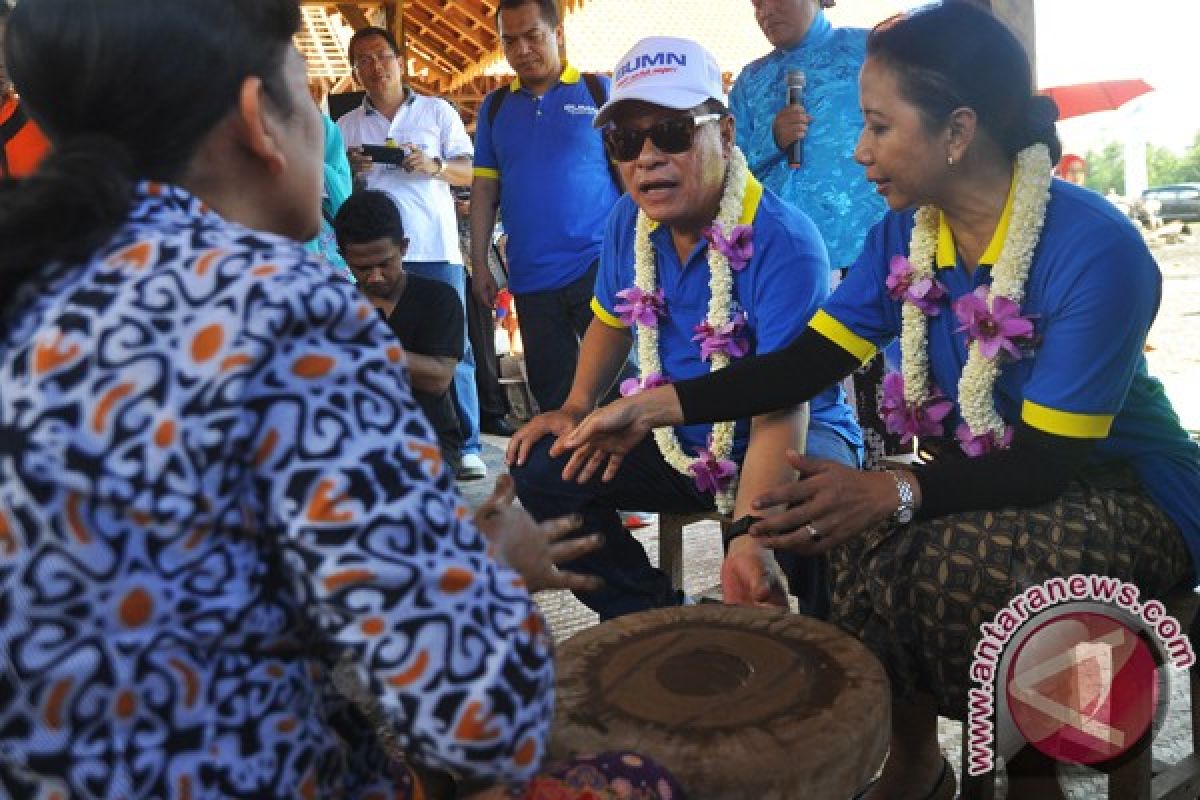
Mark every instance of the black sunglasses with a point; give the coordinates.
(674, 135)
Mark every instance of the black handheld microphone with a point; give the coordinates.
(795, 97)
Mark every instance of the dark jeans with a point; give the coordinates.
(552, 324)
(645, 481)
(481, 330)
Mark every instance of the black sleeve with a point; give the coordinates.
(771, 382)
(1033, 471)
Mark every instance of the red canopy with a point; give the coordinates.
(1085, 98)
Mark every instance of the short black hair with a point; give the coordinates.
(547, 8)
(371, 30)
(367, 215)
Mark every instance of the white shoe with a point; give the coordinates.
(472, 468)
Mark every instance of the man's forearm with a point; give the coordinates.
(430, 374)
(601, 355)
(765, 465)
(485, 194)
(457, 171)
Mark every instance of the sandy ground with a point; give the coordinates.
(1174, 343)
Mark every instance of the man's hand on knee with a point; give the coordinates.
(555, 423)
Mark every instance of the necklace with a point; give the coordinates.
(728, 251)
(990, 316)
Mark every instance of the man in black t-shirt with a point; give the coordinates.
(425, 315)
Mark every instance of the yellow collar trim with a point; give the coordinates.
(569, 75)
(947, 255)
(750, 201)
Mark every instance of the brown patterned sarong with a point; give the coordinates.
(917, 595)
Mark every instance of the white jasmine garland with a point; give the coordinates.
(1009, 274)
(720, 284)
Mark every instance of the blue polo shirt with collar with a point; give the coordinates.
(1093, 292)
(555, 186)
(781, 286)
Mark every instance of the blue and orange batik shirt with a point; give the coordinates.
(215, 484)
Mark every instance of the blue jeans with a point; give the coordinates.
(466, 396)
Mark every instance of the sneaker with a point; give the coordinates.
(472, 468)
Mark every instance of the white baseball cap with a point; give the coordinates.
(666, 71)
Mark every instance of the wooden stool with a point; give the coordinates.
(1134, 779)
(670, 540)
(736, 702)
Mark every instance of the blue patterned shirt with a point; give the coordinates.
(215, 483)
(830, 187)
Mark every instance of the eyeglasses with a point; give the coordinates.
(673, 135)
(381, 57)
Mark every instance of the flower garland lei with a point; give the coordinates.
(990, 317)
(729, 250)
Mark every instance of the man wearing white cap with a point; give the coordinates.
(700, 265)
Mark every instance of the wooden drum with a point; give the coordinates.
(736, 702)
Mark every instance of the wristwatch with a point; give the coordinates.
(907, 500)
(739, 527)
(441, 166)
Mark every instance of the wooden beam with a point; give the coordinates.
(354, 15)
(429, 25)
(444, 14)
(393, 14)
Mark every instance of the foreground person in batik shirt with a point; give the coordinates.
(214, 482)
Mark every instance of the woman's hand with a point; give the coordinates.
(827, 504)
(608, 433)
(532, 548)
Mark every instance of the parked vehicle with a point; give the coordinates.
(1177, 201)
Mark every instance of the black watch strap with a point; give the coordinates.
(737, 528)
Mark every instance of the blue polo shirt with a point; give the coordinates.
(779, 289)
(555, 187)
(1093, 291)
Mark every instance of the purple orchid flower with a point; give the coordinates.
(640, 307)
(909, 421)
(926, 294)
(727, 339)
(903, 284)
(994, 329)
(738, 248)
(900, 276)
(631, 386)
(711, 474)
(984, 443)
